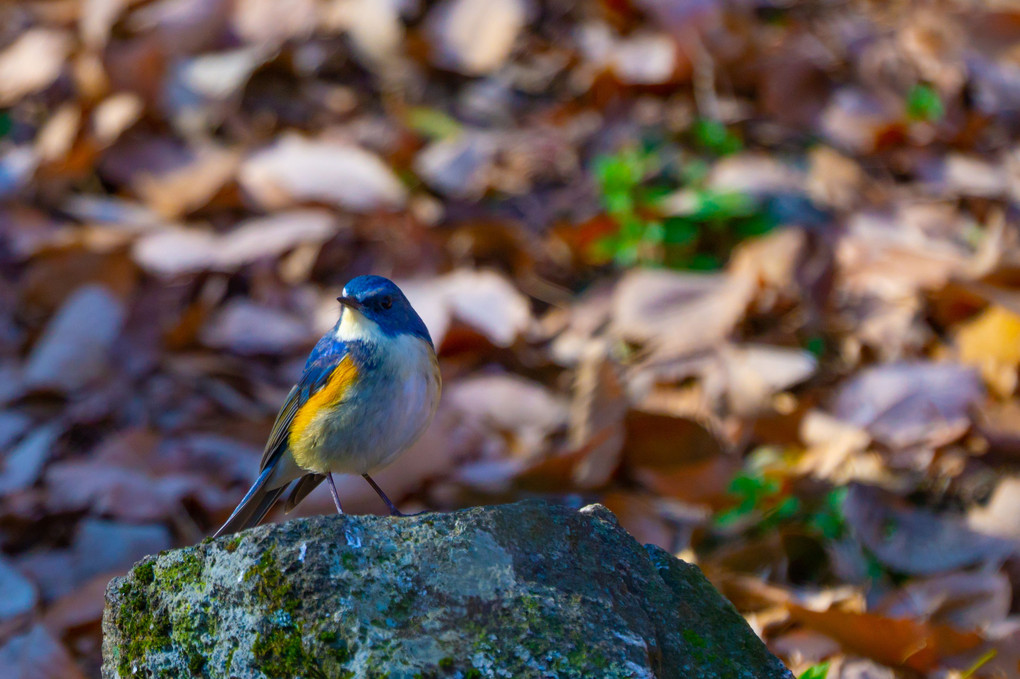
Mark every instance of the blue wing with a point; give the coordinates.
(320, 365)
(263, 494)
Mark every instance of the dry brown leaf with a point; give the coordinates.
(247, 328)
(37, 655)
(757, 372)
(97, 19)
(24, 463)
(833, 179)
(755, 174)
(520, 412)
(31, 63)
(678, 313)
(639, 515)
(459, 166)
(17, 594)
(910, 403)
(488, 302)
(191, 185)
(80, 608)
(374, 27)
(172, 251)
(114, 115)
(641, 58)
(962, 600)
(999, 516)
(295, 169)
(270, 22)
(57, 137)
(74, 350)
(991, 343)
(597, 409)
(913, 540)
(831, 444)
(474, 37)
(896, 642)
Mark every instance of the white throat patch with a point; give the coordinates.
(354, 326)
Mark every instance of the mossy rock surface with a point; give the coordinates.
(521, 590)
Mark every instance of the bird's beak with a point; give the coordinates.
(349, 302)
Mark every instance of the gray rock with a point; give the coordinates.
(522, 590)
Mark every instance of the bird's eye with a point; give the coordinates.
(386, 302)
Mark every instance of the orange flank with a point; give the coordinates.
(330, 395)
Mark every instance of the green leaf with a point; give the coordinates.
(680, 232)
(432, 123)
(714, 137)
(924, 103)
(723, 205)
(818, 671)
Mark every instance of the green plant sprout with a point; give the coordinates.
(632, 184)
(818, 671)
(763, 499)
(924, 103)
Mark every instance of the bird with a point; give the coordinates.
(369, 389)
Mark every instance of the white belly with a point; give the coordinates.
(379, 419)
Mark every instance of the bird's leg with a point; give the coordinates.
(375, 486)
(336, 495)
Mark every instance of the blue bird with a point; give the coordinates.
(369, 389)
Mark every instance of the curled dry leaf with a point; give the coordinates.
(31, 63)
(518, 410)
(895, 642)
(295, 169)
(916, 541)
(80, 608)
(459, 166)
(482, 299)
(97, 19)
(17, 165)
(57, 137)
(643, 58)
(189, 185)
(120, 493)
(999, 516)
(374, 27)
(966, 601)
(597, 411)
(24, 463)
(676, 313)
(991, 342)
(245, 327)
(114, 115)
(755, 373)
(474, 37)
(174, 250)
(102, 546)
(37, 655)
(17, 593)
(641, 517)
(833, 179)
(272, 236)
(678, 457)
(271, 22)
(755, 174)
(74, 349)
(910, 403)
(831, 444)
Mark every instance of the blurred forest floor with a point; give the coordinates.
(745, 272)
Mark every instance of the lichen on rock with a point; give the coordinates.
(522, 590)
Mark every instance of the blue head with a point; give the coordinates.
(380, 301)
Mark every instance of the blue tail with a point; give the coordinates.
(254, 505)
